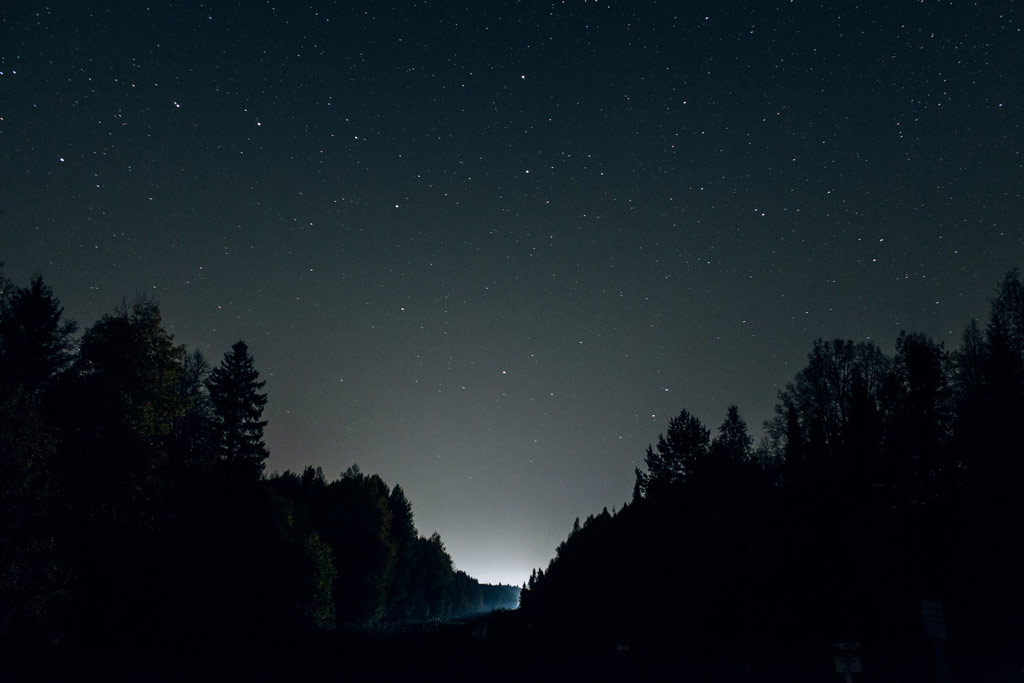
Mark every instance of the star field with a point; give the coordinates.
(489, 251)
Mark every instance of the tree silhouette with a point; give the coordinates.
(732, 447)
(434, 578)
(1005, 331)
(882, 481)
(118, 412)
(356, 520)
(131, 367)
(35, 342)
(35, 349)
(680, 453)
(238, 406)
(833, 400)
(193, 446)
(130, 494)
(403, 533)
(917, 452)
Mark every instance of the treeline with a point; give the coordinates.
(389, 574)
(882, 482)
(134, 510)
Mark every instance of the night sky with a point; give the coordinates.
(487, 250)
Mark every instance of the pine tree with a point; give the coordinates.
(238, 405)
(680, 453)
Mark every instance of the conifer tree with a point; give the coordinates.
(733, 443)
(680, 453)
(238, 405)
(35, 348)
(35, 341)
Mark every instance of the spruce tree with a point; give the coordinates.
(733, 444)
(238, 405)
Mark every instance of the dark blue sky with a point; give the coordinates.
(489, 251)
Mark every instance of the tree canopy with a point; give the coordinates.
(136, 511)
(884, 483)
(133, 492)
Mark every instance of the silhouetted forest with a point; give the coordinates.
(885, 487)
(136, 513)
(882, 507)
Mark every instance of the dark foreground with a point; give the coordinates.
(496, 647)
